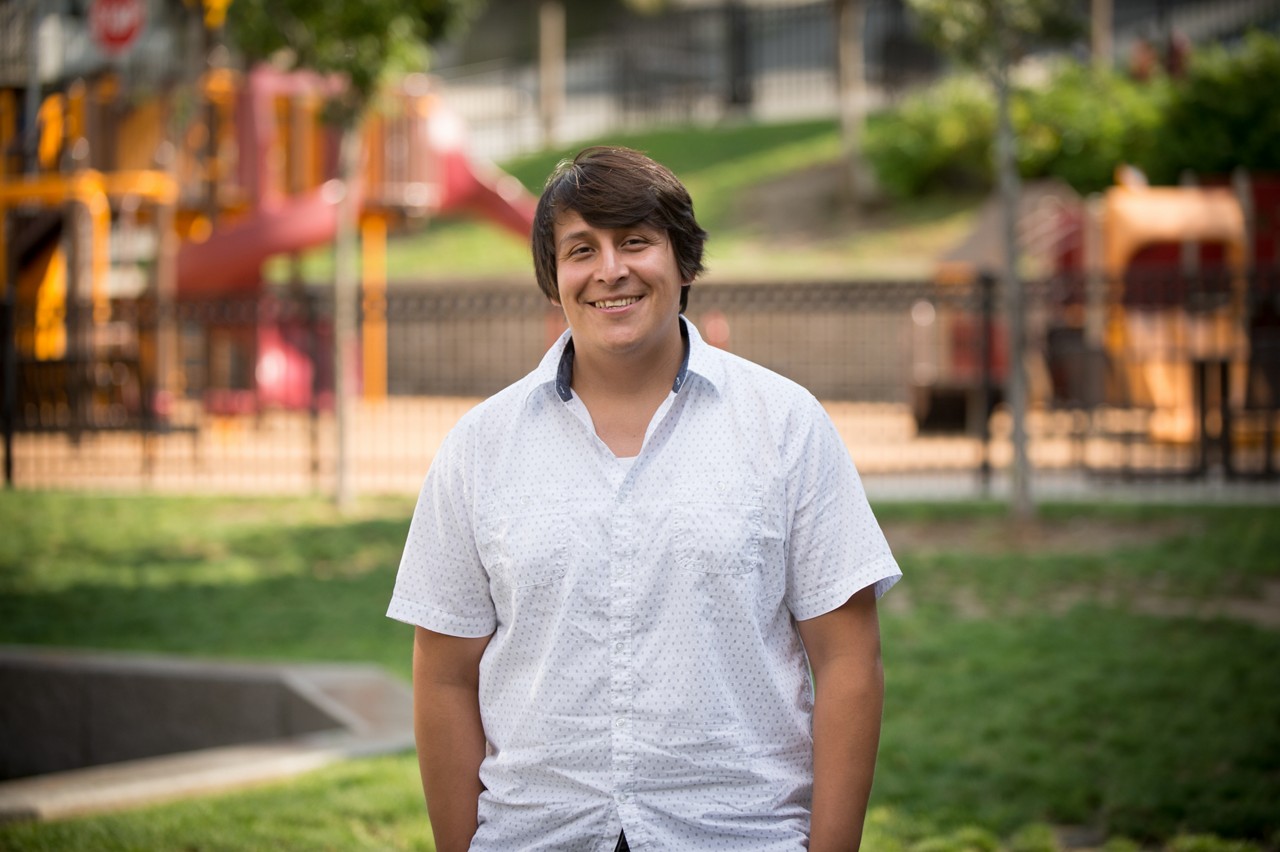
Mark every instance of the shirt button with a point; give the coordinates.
(619, 646)
(623, 798)
(619, 723)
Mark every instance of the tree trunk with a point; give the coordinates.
(345, 289)
(856, 184)
(551, 55)
(1100, 32)
(1016, 382)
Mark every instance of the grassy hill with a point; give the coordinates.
(768, 195)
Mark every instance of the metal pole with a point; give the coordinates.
(344, 321)
(1021, 505)
(986, 295)
(31, 103)
(740, 93)
(313, 405)
(7, 325)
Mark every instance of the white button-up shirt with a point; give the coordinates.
(645, 671)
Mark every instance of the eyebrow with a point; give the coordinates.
(588, 233)
(580, 234)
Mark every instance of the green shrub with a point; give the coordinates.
(1224, 114)
(1121, 844)
(1209, 843)
(1084, 123)
(937, 138)
(1077, 128)
(1037, 837)
(967, 839)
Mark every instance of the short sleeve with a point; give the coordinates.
(835, 546)
(441, 584)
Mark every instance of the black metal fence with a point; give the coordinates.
(1173, 388)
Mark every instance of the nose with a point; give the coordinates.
(611, 265)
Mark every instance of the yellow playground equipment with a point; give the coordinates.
(134, 203)
(1162, 351)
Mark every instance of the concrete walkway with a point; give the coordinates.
(350, 711)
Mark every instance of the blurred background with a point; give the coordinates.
(258, 256)
(181, 273)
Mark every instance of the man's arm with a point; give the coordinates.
(844, 652)
(448, 731)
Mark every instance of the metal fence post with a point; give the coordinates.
(10, 381)
(312, 313)
(986, 297)
(740, 92)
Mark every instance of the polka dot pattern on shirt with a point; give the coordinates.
(644, 669)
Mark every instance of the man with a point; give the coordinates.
(622, 567)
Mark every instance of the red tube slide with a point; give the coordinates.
(229, 263)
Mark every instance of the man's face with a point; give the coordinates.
(619, 287)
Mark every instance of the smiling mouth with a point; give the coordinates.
(616, 303)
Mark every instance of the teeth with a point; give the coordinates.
(616, 303)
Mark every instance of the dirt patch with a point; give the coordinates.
(990, 536)
(1262, 610)
(995, 536)
(805, 205)
(808, 207)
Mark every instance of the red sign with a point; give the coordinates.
(115, 24)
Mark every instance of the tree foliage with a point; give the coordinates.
(1080, 123)
(939, 137)
(981, 34)
(1084, 122)
(360, 41)
(1224, 115)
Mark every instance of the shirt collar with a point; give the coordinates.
(556, 367)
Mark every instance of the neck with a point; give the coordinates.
(638, 375)
(622, 392)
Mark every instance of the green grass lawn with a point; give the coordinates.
(1104, 674)
(767, 194)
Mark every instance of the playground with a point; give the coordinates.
(180, 408)
(153, 339)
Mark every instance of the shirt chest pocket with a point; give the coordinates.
(524, 546)
(719, 538)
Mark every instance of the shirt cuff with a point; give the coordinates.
(421, 615)
(882, 573)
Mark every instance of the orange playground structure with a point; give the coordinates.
(1156, 345)
(1159, 300)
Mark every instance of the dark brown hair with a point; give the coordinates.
(612, 187)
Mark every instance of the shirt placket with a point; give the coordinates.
(624, 541)
(624, 565)
(625, 560)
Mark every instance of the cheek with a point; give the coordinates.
(569, 283)
(562, 292)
